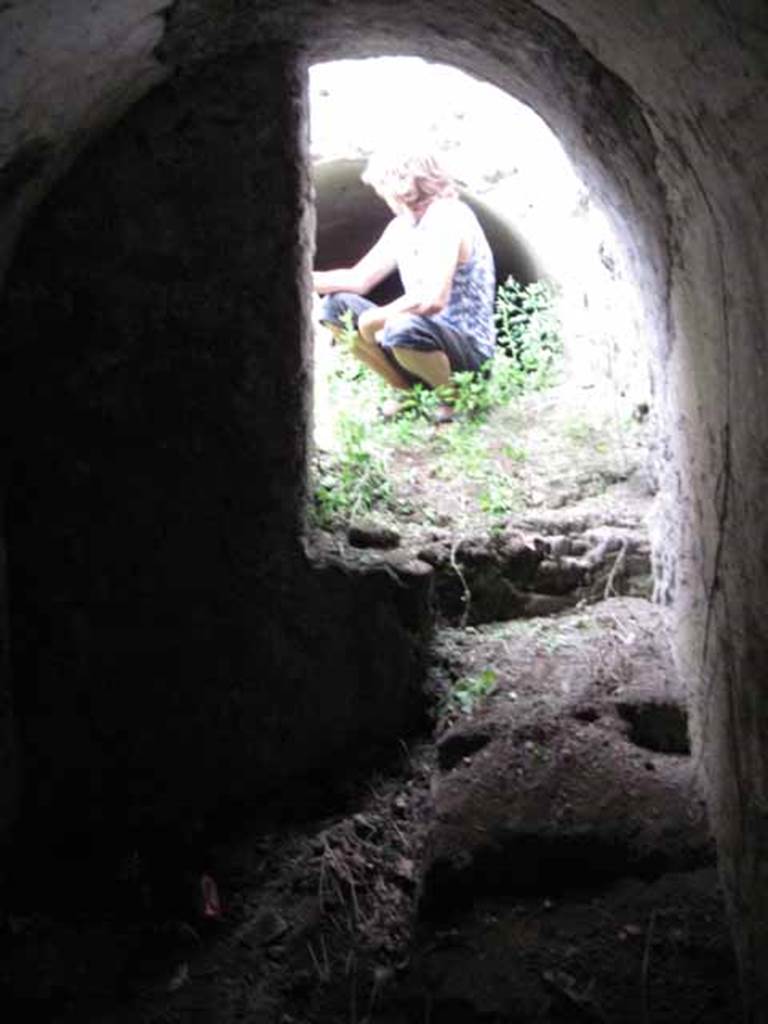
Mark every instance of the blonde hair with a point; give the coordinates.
(413, 179)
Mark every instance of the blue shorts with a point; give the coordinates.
(424, 333)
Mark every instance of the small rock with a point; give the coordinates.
(559, 546)
(372, 535)
(560, 577)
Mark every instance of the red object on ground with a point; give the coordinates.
(209, 892)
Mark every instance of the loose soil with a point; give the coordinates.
(542, 856)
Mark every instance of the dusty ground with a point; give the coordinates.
(542, 856)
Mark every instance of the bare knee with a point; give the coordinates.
(362, 346)
(399, 322)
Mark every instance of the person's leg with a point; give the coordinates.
(435, 370)
(366, 349)
(370, 353)
(431, 367)
(416, 343)
(373, 357)
(432, 350)
(428, 334)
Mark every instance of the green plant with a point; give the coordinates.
(514, 453)
(349, 331)
(472, 394)
(354, 481)
(404, 432)
(466, 452)
(500, 494)
(353, 476)
(528, 333)
(418, 402)
(465, 693)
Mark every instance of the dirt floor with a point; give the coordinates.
(542, 856)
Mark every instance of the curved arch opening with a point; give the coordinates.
(542, 222)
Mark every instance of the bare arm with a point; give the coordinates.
(377, 264)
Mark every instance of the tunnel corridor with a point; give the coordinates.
(169, 649)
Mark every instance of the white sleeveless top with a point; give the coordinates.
(469, 308)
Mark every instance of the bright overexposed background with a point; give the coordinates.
(502, 152)
(495, 146)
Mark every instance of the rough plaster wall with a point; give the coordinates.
(664, 110)
(9, 760)
(705, 113)
(146, 290)
(68, 70)
(715, 384)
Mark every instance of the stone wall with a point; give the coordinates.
(713, 386)
(68, 71)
